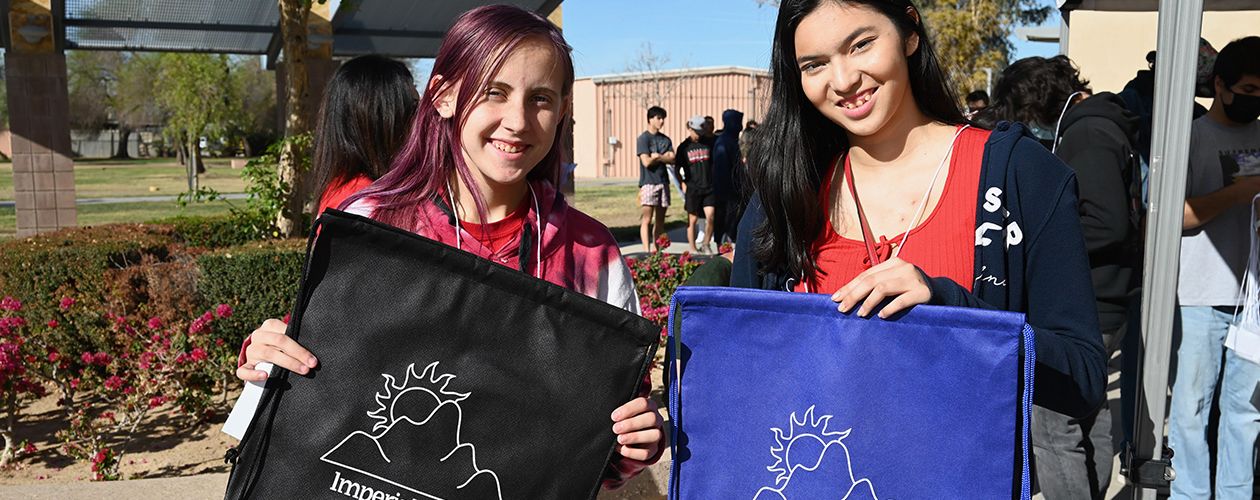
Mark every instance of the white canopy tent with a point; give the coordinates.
(1180, 25)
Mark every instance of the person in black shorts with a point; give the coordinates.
(696, 172)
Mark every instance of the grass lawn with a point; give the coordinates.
(617, 206)
(109, 178)
(106, 213)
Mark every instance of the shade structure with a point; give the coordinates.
(398, 28)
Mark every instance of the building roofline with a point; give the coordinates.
(674, 73)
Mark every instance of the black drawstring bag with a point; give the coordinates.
(442, 375)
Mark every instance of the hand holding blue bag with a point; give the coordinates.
(776, 396)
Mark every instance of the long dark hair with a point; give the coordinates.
(363, 120)
(471, 53)
(796, 142)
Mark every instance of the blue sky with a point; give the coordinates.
(606, 34)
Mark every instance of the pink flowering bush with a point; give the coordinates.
(17, 383)
(156, 363)
(110, 370)
(655, 279)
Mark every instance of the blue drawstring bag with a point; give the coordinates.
(776, 396)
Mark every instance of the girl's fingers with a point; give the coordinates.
(898, 304)
(634, 407)
(645, 420)
(257, 353)
(648, 436)
(878, 293)
(858, 289)
(250, 375)
(640, 454)
(287, 345)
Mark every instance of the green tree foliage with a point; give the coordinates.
(190, 87)
(4, 98)
(112, 89)
(972, 35)
(252, 124)
(90, 80)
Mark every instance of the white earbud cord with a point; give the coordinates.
(928, 194)
(537, 215)
(1055, 145)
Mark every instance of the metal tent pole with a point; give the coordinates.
(1180, 22)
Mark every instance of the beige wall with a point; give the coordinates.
(586, 142)
(602, 110)
(1110, 47)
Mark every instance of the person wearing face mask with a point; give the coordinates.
(1220, 184)
(1097, 137)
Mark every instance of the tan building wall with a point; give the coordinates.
(608, 116)
(1110, 47)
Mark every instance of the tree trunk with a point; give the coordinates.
(293, 14)
(198, 161)
(124, 134)
(10, 421)
(190, 166)
(179, 153)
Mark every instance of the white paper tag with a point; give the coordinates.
(1244, 340)
(246, 405)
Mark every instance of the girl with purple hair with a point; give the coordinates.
(478, 172)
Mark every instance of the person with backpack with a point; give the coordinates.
(478, 172)
(1098, 139)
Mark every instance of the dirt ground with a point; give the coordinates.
(166, 445)
(172, 445)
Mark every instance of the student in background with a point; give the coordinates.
(1098, 138)
(696, 170)
(363, 120)
(1221, 181)
(976, 101)
(656, 153)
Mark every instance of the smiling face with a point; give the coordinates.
(512, 124)
(853, 66)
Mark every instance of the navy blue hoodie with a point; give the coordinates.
(1030, 258)
(728, 172)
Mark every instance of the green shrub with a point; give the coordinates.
(75, 263)
(258, 280)
(216, 231)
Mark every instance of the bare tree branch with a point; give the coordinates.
(650, 84)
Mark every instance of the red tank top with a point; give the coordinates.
(943, 245)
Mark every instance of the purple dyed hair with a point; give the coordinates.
(473, 51)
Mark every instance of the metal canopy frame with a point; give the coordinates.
(236, 26)
(1180, 26)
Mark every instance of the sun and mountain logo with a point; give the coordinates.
(415, 441)
(813, 462)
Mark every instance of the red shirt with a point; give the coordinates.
(942, 245)
(340, 189)
(497, 235)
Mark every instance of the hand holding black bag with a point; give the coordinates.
(442, 375)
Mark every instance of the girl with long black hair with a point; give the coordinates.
(363, 121)
(864, 138)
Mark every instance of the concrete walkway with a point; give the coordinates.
(650, 485)
(677, 238)
(132, 199)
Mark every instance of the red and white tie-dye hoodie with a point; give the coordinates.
(577, 252)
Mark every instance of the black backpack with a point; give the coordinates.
(442, 375)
